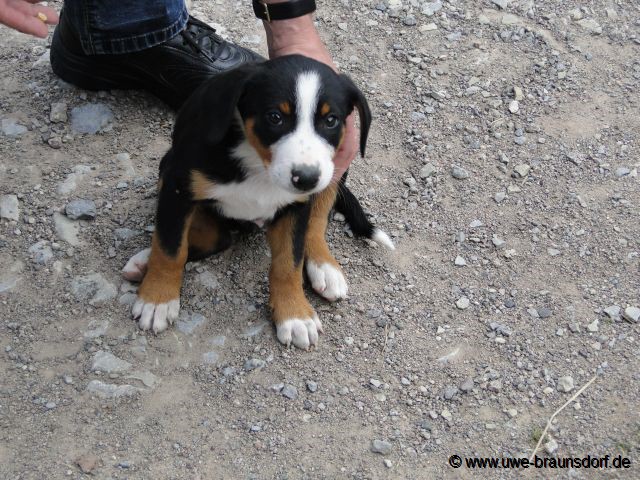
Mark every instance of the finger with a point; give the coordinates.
(25, 23)
(50, 14)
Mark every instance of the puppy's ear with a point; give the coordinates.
(208, 112)
(358, 100)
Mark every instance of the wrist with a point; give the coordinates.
(283, 34)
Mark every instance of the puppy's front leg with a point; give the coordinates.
(323, 270)
(296, 321)
(158, 300)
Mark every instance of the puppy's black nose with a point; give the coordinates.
(305, 177)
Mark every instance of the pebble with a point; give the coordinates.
(427, 170)
(632, 314)
(254, 364)
(459, 172)
(11, 128)
(381, 446)
(503, 4)
(459, 261)
(518, 94)
(467, 385)
(254, 330)
(565, 384)
(593, 326)
(9, 207)
(312, 386)
(124, 234)
(107, 362)
(66, 230)
(188, 322)
(208, 280)
(81, 209)
(514, 106)
(375, 383)
(499, 197)
(430, 8)
(91, 118)
(590, 25)
(498, 242)
(290, 392)
(93, 288)
(41, 252)
(450, 392)
(522, 170)
(107, 390)
(622, 172)
(446, 414)
(475, 224)
(500, 329)
(58, 112)
(544, 312)
(462, 303)
(495, 386)
(210, 358)
(409, 21)
(551, 446)
(429, 27)
(613, 312)
(87, 462)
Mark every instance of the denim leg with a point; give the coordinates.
(123, 26)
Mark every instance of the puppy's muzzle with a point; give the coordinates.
(305, 177)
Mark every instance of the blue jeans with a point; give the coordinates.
(123, 26)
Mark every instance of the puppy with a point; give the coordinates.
(256, 144)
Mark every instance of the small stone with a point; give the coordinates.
(459, 261)
(290, 392)
(91, 118)
(312, 386)
(613, 312)
(522, 170)
(498, 242)
(450, 392)
(210, 358)
(427, 170)
(9, 207)
(146, 377)
(499, 197)
(429, 27)
(375, 383)
(93, 288)
(254, 364)
(124, 234)
(490, 426)
(430, 8)
(551, 446)
(208, 280)
(81, 209)
(108, 363)
(632, 314)
(622, 172)
(518, 94)
(58, 112)
(475, 224)
(381, 446)
(593, 326)
(87, 462)
(467, 385)
(41, 253)
(463, 303)
(446, 414)
(409, 21)
(554, 252)
(565, 384)
(544, 312)
(459, 173)
(503, 4)
(11, 128)
(50, 405)
(387, 463)
(188, 322)
(512, 412)
(107, 390)
(495, 386)
(514, 106)
(590, 25)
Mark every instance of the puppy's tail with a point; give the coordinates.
(348, 205)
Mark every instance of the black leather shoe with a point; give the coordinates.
(171, 70)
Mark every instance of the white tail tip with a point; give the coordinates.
(381, 238)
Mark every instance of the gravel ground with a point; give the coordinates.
(503, 161)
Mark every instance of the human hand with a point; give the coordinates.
(299, 36)
(24, 16)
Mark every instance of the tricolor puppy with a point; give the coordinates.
(256, 144)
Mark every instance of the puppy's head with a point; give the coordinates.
(292, 111)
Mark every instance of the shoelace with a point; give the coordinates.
(202, 38)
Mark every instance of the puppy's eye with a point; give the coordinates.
(274, 118)
(331, 121)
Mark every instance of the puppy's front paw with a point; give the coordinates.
(136, 267)
(327, 280)
(302, 332)
(155, 316)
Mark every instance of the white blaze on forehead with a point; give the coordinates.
(307, 92)
(303, 146)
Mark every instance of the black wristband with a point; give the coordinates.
(283, 11)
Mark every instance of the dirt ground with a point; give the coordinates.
(503, 160)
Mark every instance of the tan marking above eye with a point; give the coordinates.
(325, 108)
(285, 107)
